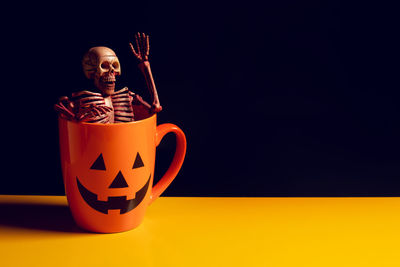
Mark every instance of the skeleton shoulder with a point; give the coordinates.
(85, 93)
(123, 90)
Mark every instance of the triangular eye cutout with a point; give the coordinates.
(138, 162)
(99, 164)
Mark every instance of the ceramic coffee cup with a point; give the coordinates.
(108, 170)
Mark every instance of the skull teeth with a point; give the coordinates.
(108, 79)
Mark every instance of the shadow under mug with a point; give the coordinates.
(108, 170)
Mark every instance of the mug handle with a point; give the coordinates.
(177, 161)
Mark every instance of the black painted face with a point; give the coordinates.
(114, 202)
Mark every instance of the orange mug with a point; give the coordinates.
(108, 170)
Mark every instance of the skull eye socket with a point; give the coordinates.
(99, 164)
(115, 65)
(105, 65)
(138, 162)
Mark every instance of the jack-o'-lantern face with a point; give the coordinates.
(124, 203)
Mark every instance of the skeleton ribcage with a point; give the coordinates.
(121, 101)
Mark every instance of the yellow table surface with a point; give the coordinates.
(39, 231)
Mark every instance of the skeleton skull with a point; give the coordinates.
(102, 65)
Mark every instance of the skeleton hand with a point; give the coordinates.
(142, 47)
(93, 112)
(142, 54)
(138, 99)
(65, 108)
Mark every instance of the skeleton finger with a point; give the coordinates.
(137, 43)
(105, 109)
(62, 109)
(82, 117)
(59, 106)
(144, 46)
(88, 118)
(92, 114)
(64, 100)
(105, 120)
(96, 111)
(142, 38)
(87, 111)
(133, 50)
(147, 46)
(101, 116)
(101, 110)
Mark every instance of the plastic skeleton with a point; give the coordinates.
(108, 106)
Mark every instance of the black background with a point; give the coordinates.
(285, 98)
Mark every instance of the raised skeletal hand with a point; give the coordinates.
(142, 54)
(142, 47)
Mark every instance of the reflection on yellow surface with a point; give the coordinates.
(39, 231)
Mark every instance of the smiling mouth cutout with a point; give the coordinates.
(113, 203)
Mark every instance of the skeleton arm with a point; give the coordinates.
(69, 110)
(137, 99)
(65, 108)
(142, 54)
(146, 70)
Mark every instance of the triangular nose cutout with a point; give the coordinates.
(119, 181)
